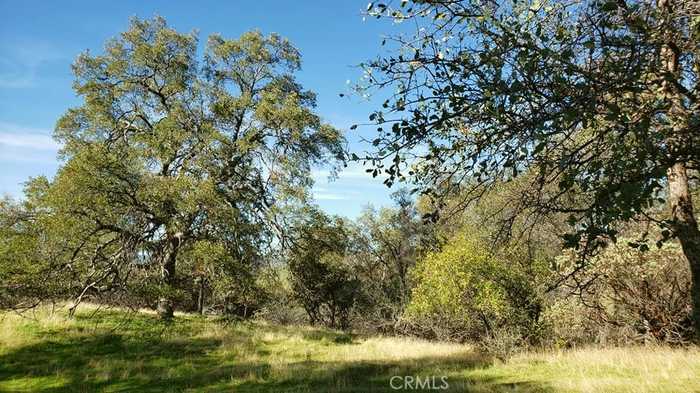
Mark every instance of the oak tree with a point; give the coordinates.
(170, 148)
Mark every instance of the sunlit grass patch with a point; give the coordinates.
(115, 350)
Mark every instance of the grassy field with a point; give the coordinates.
(114, 351)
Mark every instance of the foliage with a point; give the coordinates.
(628, 296)
(281, 305)
(322, 280)
(218, 280)
(596, 99)
(29, 257)
(166, 156)
(465, 291)
(385, 244)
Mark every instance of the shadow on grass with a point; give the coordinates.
(311, 334)
(366, 376)
(138, 357)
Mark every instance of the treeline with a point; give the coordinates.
(390, 271)
(475, 277)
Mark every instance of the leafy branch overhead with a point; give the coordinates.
(574, 94)
(595, 103)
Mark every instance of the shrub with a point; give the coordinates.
(466, 292)
(631, 296)
(321, 278)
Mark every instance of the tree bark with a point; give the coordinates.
(200, 297)
(165, 302)
(685, 227)
(683, 222)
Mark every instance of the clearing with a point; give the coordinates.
(116, 351)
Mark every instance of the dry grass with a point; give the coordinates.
(629, 369)
(118, 351)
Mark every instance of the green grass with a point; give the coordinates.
(114, 351)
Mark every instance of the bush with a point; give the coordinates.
(281, 306)
(466, 292)
(321, 278)
(631, 296)
(502, 343)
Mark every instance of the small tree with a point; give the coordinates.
(321, 279)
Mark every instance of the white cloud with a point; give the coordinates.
(323, 174)
(31, 141)
(16, 136)
(17, 81)
(353, 171)
(352, 184)
(20, 63)
(329, 196)
(339, 192)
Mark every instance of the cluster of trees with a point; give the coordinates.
(461, 278)
(550, 148)
(346, 273)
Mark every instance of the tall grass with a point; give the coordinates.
(111, 350)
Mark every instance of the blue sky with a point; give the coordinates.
(39, 40)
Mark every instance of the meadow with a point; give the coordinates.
(100, 350)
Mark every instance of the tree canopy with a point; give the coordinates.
(170, 148)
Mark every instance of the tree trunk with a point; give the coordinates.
(200, 297)
(685, 227)
(165, 302)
